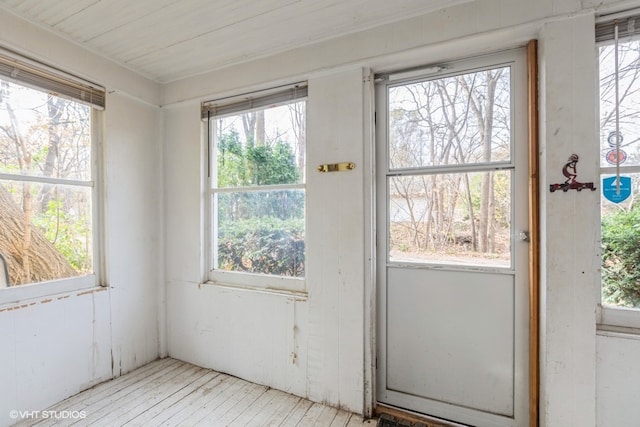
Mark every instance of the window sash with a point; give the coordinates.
(253, 101)
(231, 106)
(628, 28)
(275, 187)
(618, 316)
(44, 180)
(42, 77)
(94, 278)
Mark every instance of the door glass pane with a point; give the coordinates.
(455, 120)
(457, 218)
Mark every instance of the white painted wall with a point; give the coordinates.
(133, 224)
(57, 345)
(618, 379)
(569, 241)
(52, 348)
(311, 346)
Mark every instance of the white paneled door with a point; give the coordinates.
(453, 241)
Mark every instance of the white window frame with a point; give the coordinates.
(611, 317)
(225, 107)
(42, 77)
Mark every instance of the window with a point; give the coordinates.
(47, 175)
(619, 78)
(450, 170)
(257, 189)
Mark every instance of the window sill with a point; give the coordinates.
(258, 281)
(16, 294)
(258, 289)
(618, 332)
(616, 319)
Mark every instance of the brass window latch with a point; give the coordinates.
(337, 167)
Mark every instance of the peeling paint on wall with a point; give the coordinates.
(19, 306)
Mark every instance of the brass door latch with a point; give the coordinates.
(337, 167)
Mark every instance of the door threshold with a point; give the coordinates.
(405, 418)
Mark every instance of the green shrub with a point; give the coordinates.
(265, 245)
(621, 258)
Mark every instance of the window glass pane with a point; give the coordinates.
(260, 232)
(45, 231)
(460, 218)
(43, 135)
(254, 230)
(621, 248)
(629, 96)
(454, 120)
(620, 216)
(263, 147)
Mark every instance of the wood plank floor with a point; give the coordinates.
(169, 392)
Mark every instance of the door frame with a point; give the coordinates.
(534, 233)
(370, 222)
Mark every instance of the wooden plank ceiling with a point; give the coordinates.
(166, 40)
